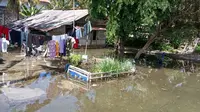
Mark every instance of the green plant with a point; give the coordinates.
(75, 59)
(113, 65)
(29, 10)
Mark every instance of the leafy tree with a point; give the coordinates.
(67, 4)
(144, 18)
(15, 5)
(29, 10)
(129, 17)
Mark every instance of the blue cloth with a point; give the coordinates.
(61, 45)
(87, 28)
(23, 37)
(26, 37)
(64, 48)
(78, 33)
(48, 75)
(42, 74)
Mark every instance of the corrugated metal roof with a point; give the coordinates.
(51, 19)
(3, 3)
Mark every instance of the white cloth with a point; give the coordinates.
(5, 44)
(73, 41)
(57, 38)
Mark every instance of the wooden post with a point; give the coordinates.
(86, 45)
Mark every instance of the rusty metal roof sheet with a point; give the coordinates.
(51, 19)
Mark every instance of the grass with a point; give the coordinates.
(113, 65)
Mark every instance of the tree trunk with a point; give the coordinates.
(17, 11)
(16, 7)
(151, 40)
(121, 48)
(116, 47)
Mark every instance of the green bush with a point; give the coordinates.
(113, 65)
(75, 59)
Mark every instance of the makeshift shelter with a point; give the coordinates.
(57, 22)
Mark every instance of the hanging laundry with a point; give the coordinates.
(87, 28)
(41, 39)
(57, 49)
(15, 37)
(0, 44)
(4, 30)
(33, 39)
(61, 43)
(23, 37)
(26, 31)
(52, 48)
(76, 43)
(5, 44)
(64, 48)
(78, 33)
(70, 41)
(56, 38)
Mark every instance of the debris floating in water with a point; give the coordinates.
(179, 85)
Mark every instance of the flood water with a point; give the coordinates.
(150, 90)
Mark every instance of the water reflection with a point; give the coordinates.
(91, 95)
(151, 90)
(67, 103)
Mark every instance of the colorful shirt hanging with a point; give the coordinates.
(5, 31)
(57, 49)
(52, 48)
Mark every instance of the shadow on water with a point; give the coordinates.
(159, 61)
(2, 61)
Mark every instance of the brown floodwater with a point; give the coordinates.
(151, 90)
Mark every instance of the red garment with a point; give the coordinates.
(5, 31)
(76, 44)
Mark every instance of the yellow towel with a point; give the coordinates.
(57, 49)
